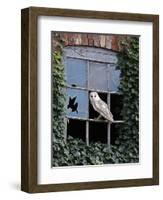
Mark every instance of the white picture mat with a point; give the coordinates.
(48, 175)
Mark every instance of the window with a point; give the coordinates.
(91, 69)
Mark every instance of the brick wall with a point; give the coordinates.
(111, 42)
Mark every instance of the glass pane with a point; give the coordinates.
(76, 72)
(77, 103)
(98, 76)
(113, 79)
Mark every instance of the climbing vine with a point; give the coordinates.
(58, 94)
(75, 151)
(129, 88)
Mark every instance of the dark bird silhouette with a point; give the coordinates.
(72, 104)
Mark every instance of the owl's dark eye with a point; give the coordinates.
(95, 95)
(91, 95)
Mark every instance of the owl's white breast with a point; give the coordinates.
(93, 102)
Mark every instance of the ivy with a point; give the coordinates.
(126, 148)
(58, 94)
(129, 88)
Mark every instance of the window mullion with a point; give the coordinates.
(87, 133)
(108, 134)
(108, 102)
(87, 122)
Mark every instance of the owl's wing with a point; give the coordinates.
(103, 109)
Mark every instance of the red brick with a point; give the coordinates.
(114, 43)
(70, 39)
(77, 39)
(90, 40)
(84, 39)
(102, 41)
(96, 39)
(108, 40)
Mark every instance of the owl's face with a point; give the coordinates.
(94, 96)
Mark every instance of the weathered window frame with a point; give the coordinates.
(92, 54)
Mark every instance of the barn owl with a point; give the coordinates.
(100, 106)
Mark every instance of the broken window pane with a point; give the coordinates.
(76, 72)
(98, 132)
(116, 106)
(77, 103)
(76, 129)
